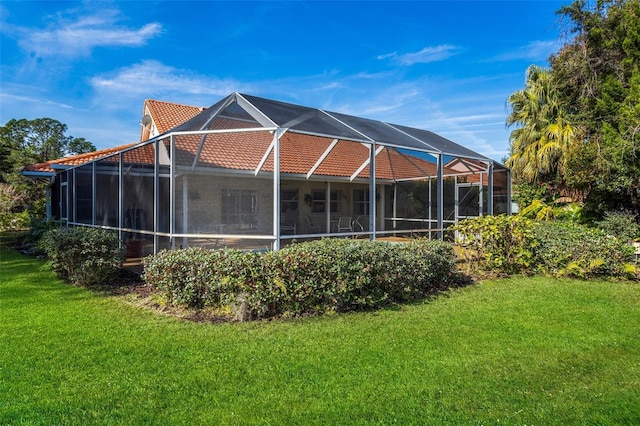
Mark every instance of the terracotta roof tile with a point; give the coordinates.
(239, 151)
(74, 160)
(144, 154)
(299, 153)
(167, 115)
(244, 151)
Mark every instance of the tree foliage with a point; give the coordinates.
(24, 142)
(593, 87)
(544, 130)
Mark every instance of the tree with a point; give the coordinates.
(24, 142)
(578, 123)
(543, 132)
(80, 146)
(597, 76)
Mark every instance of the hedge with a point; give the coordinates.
(306, 278)
(83, 256)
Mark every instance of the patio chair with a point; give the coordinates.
(356, 225)
(289, 222)
(311, 227)
(344, 224)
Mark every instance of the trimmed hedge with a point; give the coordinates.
(83, 256)
(306, 278)
(197, 277)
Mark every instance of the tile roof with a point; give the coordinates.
(244, 151)
(48, 167)
(144, 154)
(299, 153)
(167, 115)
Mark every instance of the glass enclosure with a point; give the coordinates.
(254, 174)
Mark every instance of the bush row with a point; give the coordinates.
(312, 277)
(514, 244)
(83, 256)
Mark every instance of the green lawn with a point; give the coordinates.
(516, 351)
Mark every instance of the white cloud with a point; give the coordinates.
(72, 36)
(8, 98)
(152, 78)
(538, 50)
(424, 56)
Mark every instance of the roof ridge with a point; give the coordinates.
(175, 103)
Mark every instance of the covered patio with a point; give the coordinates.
(253, 173)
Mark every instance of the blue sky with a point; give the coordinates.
(447, 67)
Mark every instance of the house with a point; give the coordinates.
(255, 173)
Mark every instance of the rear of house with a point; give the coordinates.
(254, 173)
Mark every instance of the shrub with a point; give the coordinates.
(305, 278)
(323, 275)
(621, 225)
(525, 193)
(38, 227)
(197, 277)
(568, 249)
(503, 243)
(10, 221)
(346, 275)
(83, 256)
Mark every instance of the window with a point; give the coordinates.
(84, 194)
(319, 201)
(240, 207)
(361, 202)
(288, 200)
(335, 202)
(63, 200)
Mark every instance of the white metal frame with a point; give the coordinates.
(374, 147)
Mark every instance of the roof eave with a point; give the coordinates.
(35, 174)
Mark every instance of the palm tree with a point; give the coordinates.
(544, 133)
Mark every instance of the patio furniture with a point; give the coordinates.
(344, 224)
(289, 223)
(356, 225)
(311, 227)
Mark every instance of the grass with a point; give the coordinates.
(514, 351)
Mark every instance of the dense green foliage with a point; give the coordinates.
(198, 277)
(519, 351)
(83, 256)
(314, 277)
(543, 131)
(577, 122)
(515, 244)
(24, 142)
(568, 249)
(622, 225)
(525, 193)
(504, 243)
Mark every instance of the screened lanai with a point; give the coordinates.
(253, 173)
